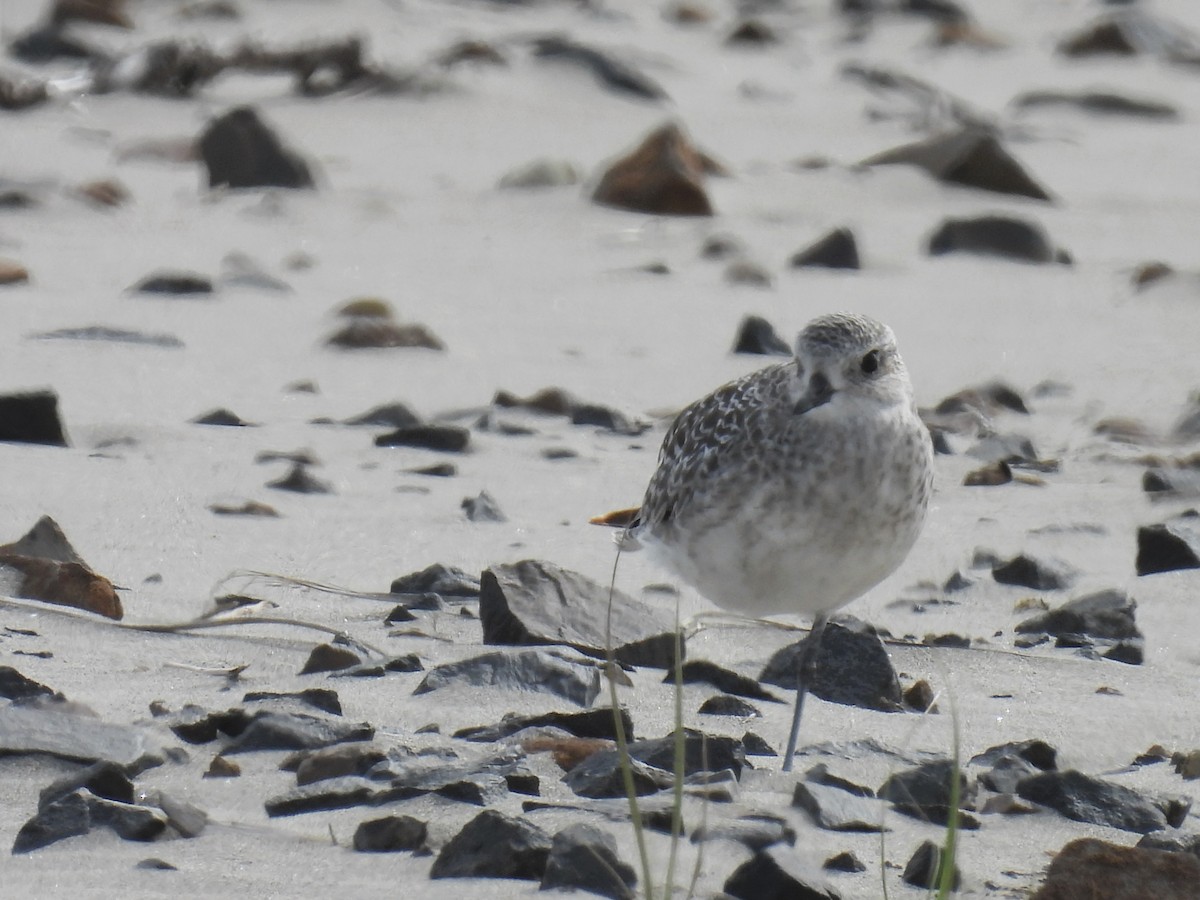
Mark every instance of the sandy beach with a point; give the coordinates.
(540, 287)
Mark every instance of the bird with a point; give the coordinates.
(795, 489)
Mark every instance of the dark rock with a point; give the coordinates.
(720, 246)
(324, 699)
(924, 792)
(591, 723)
(377, 668)
(1039, 573)
(16, 687)
(154, 864)
(46, 43)
(438, 579)
(390, 834)
(1087, 867)
(333, 793)
(337, 761)
(615, 75)
(970, 156)
(837, 810)
(329, 658)
(45, 540)
(1106, 103)
(1006, 773)
(366, 333)
(751, 33)
(250, 509)
(534, 602)
(1132, 32)
(663, 176)
(300, 481)
(584, 858)
(845, 861)
(853, 668)
(68, 817)
(727, 705)
(755, 832)
(992, 475)
(1037, 752)
(778, 873)
(296, 731)
(31, 418)
(240, 151)
(706, 672)
(484, 789)
(482, 508)
(755, 745)
(757, 335)
(446, 438)
(609, 419)
(221, 417)
(103, 779)
(1104, 614)
(399, 613)
(437, 470)
(653, 762)
(79, 812)
(702, 753)
(1003, 236)
(493, 845)
(924, 869)
(920, 696)
(389, 415)
(1169, 546)
(551, 401)
(836, 250)
(1094, 801)
(522, 670)
(986, 399)
(114, 335)
(1174, 483)
(197, 725)
(190, 821)
(175, 284)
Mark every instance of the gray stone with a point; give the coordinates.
(541, 671)
(758, 336)
(1092, 800)
(296, 731)
(755, 832)
(1006, 237)
(1104, 614)
(79, 738)
(924, 868)
(390, 834)
(838, 810)
(853, 668)
(582, 857)
(591, 723)
(1039, 573)
(533, 602)
(612, 73)
(446, 581)
(835, 250)
(493, 845)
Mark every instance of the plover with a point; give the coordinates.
(794, 489)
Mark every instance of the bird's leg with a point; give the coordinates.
(806, 668)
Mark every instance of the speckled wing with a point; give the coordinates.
(710, 435)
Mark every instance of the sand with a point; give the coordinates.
(536, 288)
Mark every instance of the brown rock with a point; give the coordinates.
(102, 12)
(12, 272)
(363, 333)
(1149, 272)
(1088, 868)
(663, 176)
(990, 475)
(105, 192)
(328, 658)
(221, 767)
(64, 584)
(366, 308)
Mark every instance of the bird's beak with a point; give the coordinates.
(819, 392)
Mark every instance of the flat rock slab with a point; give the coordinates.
(533, 602)
(541, 671)
(79, 738)
(836, 810)
(1092, 800)
(296, 731)
(1091, 868)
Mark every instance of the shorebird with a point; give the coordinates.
(794, 489)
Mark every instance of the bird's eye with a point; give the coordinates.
(870, 363)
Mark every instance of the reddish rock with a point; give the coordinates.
(64, 584)
(1088, 868)
(12, 272)
(663, 176)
